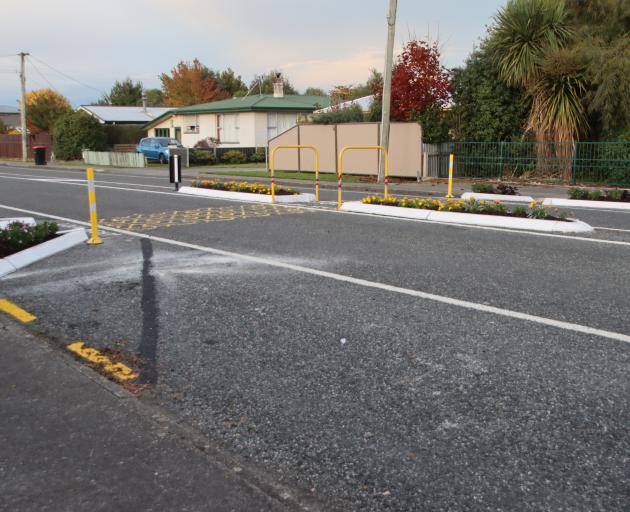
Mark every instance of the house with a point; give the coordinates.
(110, 114)
(10, 116)
(247, 122)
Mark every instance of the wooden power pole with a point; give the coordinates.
(387, 83)
(23, 106)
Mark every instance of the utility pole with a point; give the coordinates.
(23, 105)
(387, 83)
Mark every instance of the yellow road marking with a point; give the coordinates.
(15, 311)
(118, 370)
(150, 221)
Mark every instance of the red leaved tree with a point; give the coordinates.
(191, 83)
(419, 81)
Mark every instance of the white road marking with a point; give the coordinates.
(568, 326)
(320, 209)
(613, 229)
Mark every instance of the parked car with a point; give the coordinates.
(156, 148)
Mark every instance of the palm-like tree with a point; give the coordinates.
(528, 41)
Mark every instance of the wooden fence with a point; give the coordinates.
(11, 145)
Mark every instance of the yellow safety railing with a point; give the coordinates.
(339, 176)
(272, 168)
(95, 239)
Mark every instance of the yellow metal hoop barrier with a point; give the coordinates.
(339, 176)
(272, 168)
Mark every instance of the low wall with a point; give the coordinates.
(114, 159)
(405, 148)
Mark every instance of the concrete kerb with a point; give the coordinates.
(246, 196)
(568, 203)
(23, 258)
(546, 226)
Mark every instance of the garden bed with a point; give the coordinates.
(244, 191)
(22, 244)
(501, 192)
(614, 199)
(480, 213)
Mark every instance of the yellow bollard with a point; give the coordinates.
(273, 178)
(449, 194)
(95, 240)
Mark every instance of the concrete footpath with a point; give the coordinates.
(72, 441)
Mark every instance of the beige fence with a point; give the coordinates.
(114, 159)
(405, 148)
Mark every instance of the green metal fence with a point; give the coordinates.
(581, 162)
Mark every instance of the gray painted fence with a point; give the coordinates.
(114, 159)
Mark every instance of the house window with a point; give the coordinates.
(162, 132)
(228, 129)
(278, 123)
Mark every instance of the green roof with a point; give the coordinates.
(254, 103)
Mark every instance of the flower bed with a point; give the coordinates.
(535, 210)
(242, 186)
(18, 236)
(614, 195)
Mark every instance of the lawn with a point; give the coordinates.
(291, 175)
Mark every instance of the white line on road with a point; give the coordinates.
(568, 326)
(612, 229)
(320, 209)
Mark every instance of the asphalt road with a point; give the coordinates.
(352, 357)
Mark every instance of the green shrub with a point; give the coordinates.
(234, 156)
(258, 156)
(483, 188)
(17, 236)
(537, 212)
(578, 193)
(615, 195)
(351, 114)
(595, 195)
(619, 177)
(74, 132)
(519, 211)
(507, 190)
(201, 157)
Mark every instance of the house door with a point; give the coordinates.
(178, 133)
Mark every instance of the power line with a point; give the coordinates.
(68, 76)
(42, 75)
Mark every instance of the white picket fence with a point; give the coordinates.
(115, 159)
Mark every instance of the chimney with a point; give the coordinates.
(278, 86)
(144, 102)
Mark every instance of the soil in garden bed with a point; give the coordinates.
(243, 187)
(10, 249)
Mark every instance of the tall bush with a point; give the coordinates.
(351, 114)
(75, 132)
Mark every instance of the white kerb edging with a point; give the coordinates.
(39, 252)
(246, 196)
(471, 219)
(579, 203)
(497, 197)
(6, 221)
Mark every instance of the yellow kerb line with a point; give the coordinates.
(118, 370)
(95, 240)
(340, 167)
(16, 312)
(272, 168)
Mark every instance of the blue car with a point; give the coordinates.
(156, 148)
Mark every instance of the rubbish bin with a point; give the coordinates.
(39, 154)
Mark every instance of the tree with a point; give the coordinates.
(231, 84)
(484, 107)
(75, 131)
(264, 83)
(43, 108)
(419, 81)
(3, 128)
(125, 93)
(314, 91)
(190, 84)
(154, 97)
(527, 41)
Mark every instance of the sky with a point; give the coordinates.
(318, 44)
